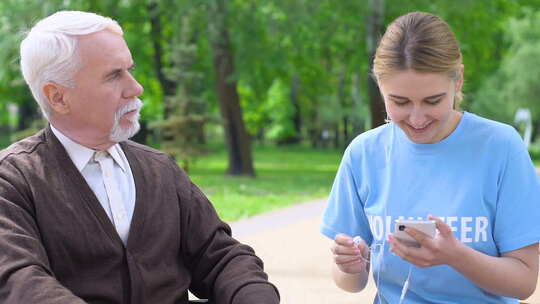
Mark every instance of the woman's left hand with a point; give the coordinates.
(440, 250)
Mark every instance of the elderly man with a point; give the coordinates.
(87, 216)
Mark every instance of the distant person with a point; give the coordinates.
(87, 216)
(473, 174)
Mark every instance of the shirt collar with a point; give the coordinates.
(117, 153)
(81, 155)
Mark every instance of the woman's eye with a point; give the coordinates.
(400, 103)
(433, 102)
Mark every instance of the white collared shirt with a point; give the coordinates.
(119, 203)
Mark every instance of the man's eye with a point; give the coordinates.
(115, 76)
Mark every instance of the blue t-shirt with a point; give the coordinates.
(480, 180)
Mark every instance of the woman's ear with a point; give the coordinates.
(55, 95)
(459, 82)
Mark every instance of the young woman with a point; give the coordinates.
(471, 175)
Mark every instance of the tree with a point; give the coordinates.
(186, 117)
(320, 51)
(374, 31)
(281, 112)
(315, 48)
(237, 139)
(515, 84)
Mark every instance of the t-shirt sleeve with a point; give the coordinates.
(345, 210)
(517, 221)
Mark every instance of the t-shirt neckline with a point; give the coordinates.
(431, 148)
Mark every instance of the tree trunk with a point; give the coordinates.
(297, 121)
(358, 125)
(336, 135)
(374, 30)
(201, 136)
(168, 86)
(343, 104)
(237, 138)
(345, 130)
(314, 130)
(28, 112)
(536, 130)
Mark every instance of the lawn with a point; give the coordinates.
(285, 176)
(4, 140)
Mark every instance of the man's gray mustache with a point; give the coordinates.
(135, 104)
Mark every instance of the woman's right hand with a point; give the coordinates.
(349, 257)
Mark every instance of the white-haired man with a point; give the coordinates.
(87, 216)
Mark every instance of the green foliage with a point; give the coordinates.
(490, 103)
(515, 84)
(5, 139)
(321, 43)
(280, 111)
(15, 16)
(285, 175)
(315, 41)
(524, 37)
(255, 116)
(183, 131)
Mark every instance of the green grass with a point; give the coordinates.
(4, 141)
(285, 176)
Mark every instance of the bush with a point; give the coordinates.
(281, 112)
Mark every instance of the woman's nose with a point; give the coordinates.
(417, 117)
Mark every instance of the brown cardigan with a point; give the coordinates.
(57, 244)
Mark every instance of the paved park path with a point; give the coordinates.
(296, 256)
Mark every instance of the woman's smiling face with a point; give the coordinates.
(421, 104)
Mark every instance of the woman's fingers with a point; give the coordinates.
(350, 255)
(344, 245)
(344, 240)
(443, 228)
(346, 259)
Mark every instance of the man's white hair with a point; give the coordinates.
(49, 51)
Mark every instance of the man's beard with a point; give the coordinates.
(119, 133)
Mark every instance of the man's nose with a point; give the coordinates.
(134, 89)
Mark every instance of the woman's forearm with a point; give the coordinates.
(513, 275)
(350, 282)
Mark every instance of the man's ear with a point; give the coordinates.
(55, 95)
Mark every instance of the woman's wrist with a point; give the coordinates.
(459, 256)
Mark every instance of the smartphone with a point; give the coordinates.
(426, 226)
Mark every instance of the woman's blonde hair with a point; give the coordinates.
(422, 42)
